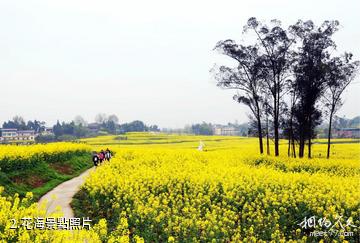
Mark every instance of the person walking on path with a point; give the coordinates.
(108, 154)
(101, 156)
(95, 158)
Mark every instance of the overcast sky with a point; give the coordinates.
(146, 60)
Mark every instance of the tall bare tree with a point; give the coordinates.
(101, 118)
(79, 120)
(246, 78)
(275, 43)
(113, 118)
(310, 75)
(340, 72)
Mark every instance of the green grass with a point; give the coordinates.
(43, 176)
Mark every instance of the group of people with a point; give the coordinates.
(98, 158)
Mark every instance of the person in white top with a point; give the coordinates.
(201, 146)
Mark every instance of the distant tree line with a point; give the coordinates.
(104, 125)
(79, 127)
(289, 78)
(205, 128)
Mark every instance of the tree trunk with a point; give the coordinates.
(260, 136)
(276, 126)
(258, 117)
(329, 133)
(291, 132)
(301, 146)
(276, 137)
(293, 147)
(309, 139)
(267, 137)
(289, 146)
(291, 151)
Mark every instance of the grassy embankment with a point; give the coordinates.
(40, 171)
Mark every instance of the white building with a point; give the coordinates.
(47, 131)
(26, 135)
(226, 131)
(8, 134)
(14, 135)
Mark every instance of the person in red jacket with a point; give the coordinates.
(101, 156)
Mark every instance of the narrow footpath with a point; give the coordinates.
(64, 194)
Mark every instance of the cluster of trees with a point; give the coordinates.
(289, 78)
(137, 126)
(111, 125)
(19, 123)
(69, 131)
(202, 129)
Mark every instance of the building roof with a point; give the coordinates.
(8, 129)
(15, 130)
(25, 131)
(94, 125)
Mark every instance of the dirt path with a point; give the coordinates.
(64, 194)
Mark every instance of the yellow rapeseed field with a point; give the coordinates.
(21, 156)
(160, 188)
(169, 191)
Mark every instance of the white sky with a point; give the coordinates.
(146, 60)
